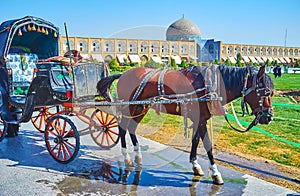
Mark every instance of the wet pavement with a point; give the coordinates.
(26, 168)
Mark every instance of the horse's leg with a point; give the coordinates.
(131, 125)
(216, 175)
(122, 131)
(193, 154)
(132, 129)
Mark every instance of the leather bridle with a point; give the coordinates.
(262, 91)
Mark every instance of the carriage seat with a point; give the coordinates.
(21, 69)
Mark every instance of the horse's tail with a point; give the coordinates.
(104, 84)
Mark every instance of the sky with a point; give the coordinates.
(257, 22)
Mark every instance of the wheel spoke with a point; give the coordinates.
(69, 144)
(106, 119)
(41, 122)
(102, 117)
(53, 148)
(58, 152)
(112, 131)
(36, 118)
(64, 128)
(70, 152)
(114, 121)
(98, 116)
(108, 142)
(102, 140)
(112, 126)
(52, 132)
(58, 127)
(98, 135)
(112, 138)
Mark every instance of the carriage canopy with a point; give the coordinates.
(29, 35)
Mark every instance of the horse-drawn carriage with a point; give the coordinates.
(41, 86)
(51, 93)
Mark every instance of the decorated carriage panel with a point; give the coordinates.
(86, 76)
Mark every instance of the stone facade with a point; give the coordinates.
(183, 42)
(106, 49)
(283, 55)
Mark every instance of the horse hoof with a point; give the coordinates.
(217, 180)
(198, 171)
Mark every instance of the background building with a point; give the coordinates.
(183, 42)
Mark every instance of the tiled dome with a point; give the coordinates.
(183, 27)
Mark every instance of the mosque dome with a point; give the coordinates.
(183, 29)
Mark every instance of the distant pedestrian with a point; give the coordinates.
(278, 71)
(275, 71)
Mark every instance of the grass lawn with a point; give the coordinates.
(287, 82)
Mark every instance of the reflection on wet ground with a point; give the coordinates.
(103, 178)
(115, 178)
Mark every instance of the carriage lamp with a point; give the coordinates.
(69, 94)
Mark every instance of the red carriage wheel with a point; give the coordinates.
(106, 133)
(62, 139)
(40, 120)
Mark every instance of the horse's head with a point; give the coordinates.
(258, 96)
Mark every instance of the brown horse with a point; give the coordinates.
(194, 82)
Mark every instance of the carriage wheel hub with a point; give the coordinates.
(105, 128)
(58, 140)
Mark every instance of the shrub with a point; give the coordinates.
(152, 64)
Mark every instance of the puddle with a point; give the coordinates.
(101, 179)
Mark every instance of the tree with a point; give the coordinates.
(113, 64)
(227, 62)
(268, 63)
(217, 62)
(183, 64)
(239, 57)
(173, 64)
(239, 63)
(250, 63)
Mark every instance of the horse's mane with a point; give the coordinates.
(235, 76)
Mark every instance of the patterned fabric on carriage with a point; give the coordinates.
(21, 69)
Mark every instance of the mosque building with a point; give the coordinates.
(183, 42)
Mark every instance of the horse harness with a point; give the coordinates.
(212, 83)
(211, 88)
